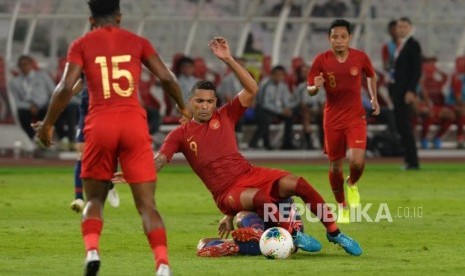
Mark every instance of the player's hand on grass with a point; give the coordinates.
(375, 107)
(44, 134)
(225, 227)
(220, 48)
(118, 177)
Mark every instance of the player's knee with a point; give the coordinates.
(335, 168)
(357, 165)
(93, 208)
(145, 206)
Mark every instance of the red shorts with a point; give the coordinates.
(352, 137)
(229, 202)
(438, 109)
(114, 136)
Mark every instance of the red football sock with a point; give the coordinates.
(310, 196)
(427, 122)
(337, 184)
(355, 173)
(157, 241)
(91, 229)
(444, 127)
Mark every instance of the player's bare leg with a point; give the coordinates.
(144, 198)
(254, 199)
(92, 222)
(291, 185)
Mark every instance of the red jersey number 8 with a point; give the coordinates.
(117, 73)
(332, 81)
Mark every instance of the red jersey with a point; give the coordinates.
(432, 83)
(210, 148)
(111, 59)
(343, 84)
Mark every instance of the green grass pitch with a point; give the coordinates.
(40, 235)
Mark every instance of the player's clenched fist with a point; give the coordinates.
(319, 80)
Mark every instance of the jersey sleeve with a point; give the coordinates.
(367, 66)
(172, 143)
(75, 53)
(234, 109)
(314, 70)
(147, 49)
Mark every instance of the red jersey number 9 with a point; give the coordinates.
(117, 73)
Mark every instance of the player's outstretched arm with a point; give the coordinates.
(60, 99)
(160, 161)
(220, 48)
(168, 82)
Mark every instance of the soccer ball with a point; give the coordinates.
(276, 243)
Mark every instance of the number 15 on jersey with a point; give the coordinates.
(117, 73)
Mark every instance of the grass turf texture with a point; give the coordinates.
(39, 234)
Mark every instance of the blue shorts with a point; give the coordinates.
(81, 124)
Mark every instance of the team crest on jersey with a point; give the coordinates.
(354, 71)
(214, 124)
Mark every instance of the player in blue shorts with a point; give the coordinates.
(77, 204)
(245, 239)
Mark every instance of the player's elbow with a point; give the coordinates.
(167, 77)
(253, 89)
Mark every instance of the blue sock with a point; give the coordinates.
(78, 181)
(254, 221)
(249, 248)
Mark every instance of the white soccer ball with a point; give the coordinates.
(276, 243)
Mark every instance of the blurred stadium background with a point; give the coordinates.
(282, 30)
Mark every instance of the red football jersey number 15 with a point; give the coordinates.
(117, 73)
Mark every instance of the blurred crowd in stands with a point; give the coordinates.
(283, 99)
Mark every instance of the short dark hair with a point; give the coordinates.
(391, 24)
(204, 85)
(339, 23)
(405, 19)
(278, 68)
(103, 8)
(25, 57)
(184, 60)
